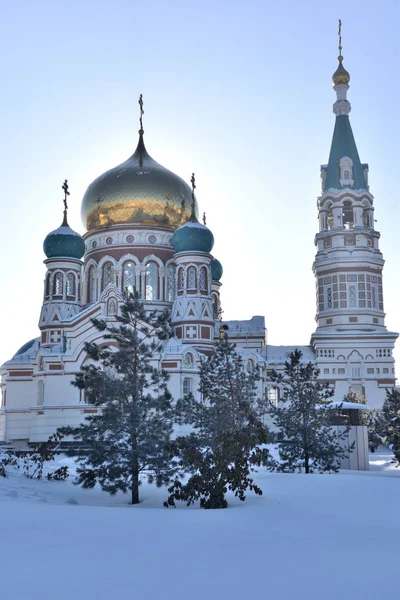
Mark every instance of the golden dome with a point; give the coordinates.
(138, 192)
(341, 76)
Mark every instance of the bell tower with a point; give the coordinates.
(352, 344)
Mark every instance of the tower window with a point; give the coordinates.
(203, 279)
(58, 284)
(352, 296)
(348, 215)
(191, 278)
(373, 290)
(181, 279)
(329, 297)
(47, 286)
(171, 283)
(70, 284)
(346, 171)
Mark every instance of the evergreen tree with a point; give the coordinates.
(389, 422)
(227, 437)
(303, 416)
(127, 438)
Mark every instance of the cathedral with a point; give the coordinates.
(142, 232)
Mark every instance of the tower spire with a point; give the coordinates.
(340, 77)
(344, 168)
(66, 193)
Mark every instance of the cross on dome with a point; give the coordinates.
(141, 130)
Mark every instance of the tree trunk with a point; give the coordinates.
(135, 482)
(306, 463)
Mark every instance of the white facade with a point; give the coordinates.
(351, 344)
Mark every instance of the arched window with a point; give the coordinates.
(203, 279)
(47, 286)
(367, 222)
(109, 275)
(188, 362)
(91, 291)
(329, 218)
(171, 283)
(58, 284)
(70, 284)
(191, 278)
(348, 216)
(151, 281)
(346, 175)
(181, 279)
(128, 277)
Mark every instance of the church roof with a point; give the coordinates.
(343, 144)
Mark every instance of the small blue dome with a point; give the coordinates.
(193, 237)
(216, 269)
(64, 243)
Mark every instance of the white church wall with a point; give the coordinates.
(60, 391)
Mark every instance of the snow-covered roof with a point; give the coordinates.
(350, 405)
(254, 324)
(279, 354)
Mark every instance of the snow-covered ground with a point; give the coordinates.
(316, 537)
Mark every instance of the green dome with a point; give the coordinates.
(216, 269)
(64, 243)
(193, 237)
(26, 347)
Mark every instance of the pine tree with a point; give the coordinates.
(389, 422)
(226, 442)
(126, 440)
(307, 442)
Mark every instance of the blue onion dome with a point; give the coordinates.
(138, 192)
(64, 242)
(216, 269)
(193, 236)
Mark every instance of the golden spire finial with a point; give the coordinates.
(141, 131)
(340, 76)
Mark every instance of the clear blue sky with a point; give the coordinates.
(240, 93)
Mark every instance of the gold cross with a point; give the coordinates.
(340, 37)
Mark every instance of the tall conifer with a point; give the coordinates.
(227, 437)
(126, 439)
